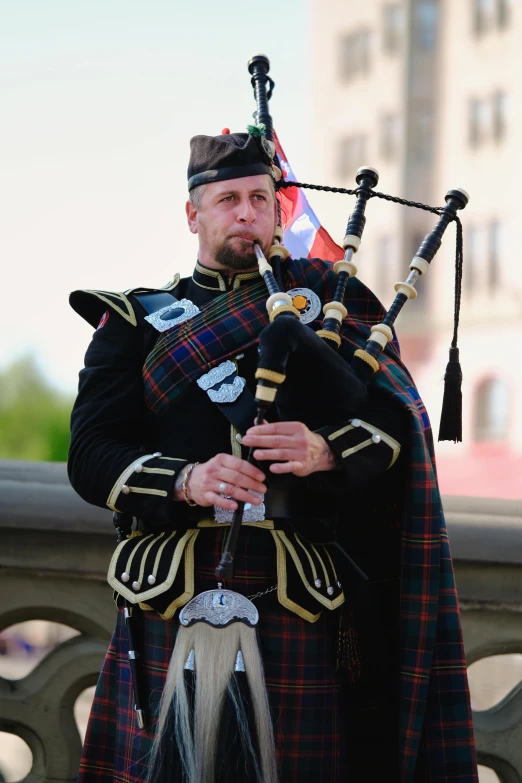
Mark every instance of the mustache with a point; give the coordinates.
(246, 236)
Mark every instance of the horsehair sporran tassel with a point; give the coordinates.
(213, 652)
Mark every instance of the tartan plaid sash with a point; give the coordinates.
(232, 323)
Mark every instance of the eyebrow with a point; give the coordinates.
(235, 192)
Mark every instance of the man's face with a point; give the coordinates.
(232, 215)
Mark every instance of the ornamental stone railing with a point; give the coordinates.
(54, 553)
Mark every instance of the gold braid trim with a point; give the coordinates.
(270, 375)
(333, 336)
(283, 309)
(365, 356)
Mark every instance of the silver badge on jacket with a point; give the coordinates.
(307, 302)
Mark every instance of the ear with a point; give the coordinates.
(192, 217)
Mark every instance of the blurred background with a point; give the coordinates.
(99, 100)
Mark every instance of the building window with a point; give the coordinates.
(487, 119)
(426, 19)
(491, 411)
(488, 14)
(389, 137)
(499, 107)
(478, 121)
(494, 253)
(352, 154)
(393, 27)
(503, 13)
(483, 14)
(470, 267)
(354, 55)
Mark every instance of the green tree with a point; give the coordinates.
(34, 417)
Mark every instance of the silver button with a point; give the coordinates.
(136, 585)
(138, 468)
(318, 583)
(339, 584)
(330, 590)
(356, 422)
(376, 438)
(157, 454)
(125, 489)
(125, 577)
(151, 579)
(239, 356)
(239, 438)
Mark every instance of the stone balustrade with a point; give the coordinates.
(53, 561)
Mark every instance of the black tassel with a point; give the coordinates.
(451, 416)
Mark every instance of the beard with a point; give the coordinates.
(237, 258)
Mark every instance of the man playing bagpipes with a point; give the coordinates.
(326, 644)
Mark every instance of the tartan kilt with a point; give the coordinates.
(305, 693)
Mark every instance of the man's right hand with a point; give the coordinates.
(225, 475)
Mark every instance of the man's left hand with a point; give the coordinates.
(291, 446)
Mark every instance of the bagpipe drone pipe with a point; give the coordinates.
(288, 349)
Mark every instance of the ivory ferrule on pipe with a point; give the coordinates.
(335, 310)
(407, 288)
(381, 334)
(277, 300)
(346, 265)
(353, 241)
(420, 264)
(262, 263)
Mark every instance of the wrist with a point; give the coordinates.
(181, 485)
(327, 459)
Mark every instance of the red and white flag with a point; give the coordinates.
(303, 235)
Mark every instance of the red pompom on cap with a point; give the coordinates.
(225, 131)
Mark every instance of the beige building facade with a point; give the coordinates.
(429, 92)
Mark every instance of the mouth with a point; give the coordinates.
(244, 237)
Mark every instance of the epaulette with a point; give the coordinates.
(91, 305)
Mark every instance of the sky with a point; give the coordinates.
(99, 100)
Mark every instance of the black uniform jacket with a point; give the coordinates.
(124, 457)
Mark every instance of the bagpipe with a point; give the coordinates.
(288, 348)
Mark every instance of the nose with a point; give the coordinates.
(245, 211)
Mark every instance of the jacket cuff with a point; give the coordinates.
(145, 489)
(362, 449)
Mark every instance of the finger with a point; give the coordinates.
(247, 497)
(236, 493)
(278, 428)
(277, 454)
(271, 441)
(235, 478)
(214, 499)
(293, 466)
(241, 466)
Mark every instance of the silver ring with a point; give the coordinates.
(222, 487)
